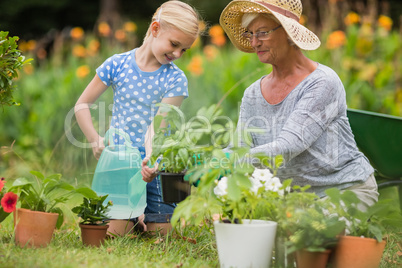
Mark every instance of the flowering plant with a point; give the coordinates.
(46, 193)
(231, 187)
(255, 202)
(8, 201)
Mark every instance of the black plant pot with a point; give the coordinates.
(174, 188)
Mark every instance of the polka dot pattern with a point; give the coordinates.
(136, 92)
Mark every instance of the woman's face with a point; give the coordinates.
(274, 48)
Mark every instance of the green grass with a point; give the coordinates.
(139, 250)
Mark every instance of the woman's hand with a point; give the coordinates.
(97, 147)
(148, 173)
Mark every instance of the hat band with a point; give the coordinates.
(279, 10)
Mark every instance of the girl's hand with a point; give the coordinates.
(148, 174)
(97, 147)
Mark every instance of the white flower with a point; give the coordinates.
(262, 174)
(255, 185)
(273, 184)
(221, 189)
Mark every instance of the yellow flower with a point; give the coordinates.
(79, 51)
(368, 72)
(364, 45)
(130, 27)
(385, 22)
(336, 39)
(82, 71)
(351, 18)
(77, 33)
(195, 66)
(104, 29)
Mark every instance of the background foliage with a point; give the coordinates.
(363, 48)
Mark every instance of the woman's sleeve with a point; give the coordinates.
(319, 105)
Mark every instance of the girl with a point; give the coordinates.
(140, 78)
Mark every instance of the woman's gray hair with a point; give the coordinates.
(249, 17)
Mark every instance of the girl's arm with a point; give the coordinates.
(148, 174)
(91, 93)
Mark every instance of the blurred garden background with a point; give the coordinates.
(69, 39)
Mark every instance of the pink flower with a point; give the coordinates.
(9, 202)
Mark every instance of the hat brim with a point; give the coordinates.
(231, 18)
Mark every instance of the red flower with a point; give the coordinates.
(1, 184)
(9, 202)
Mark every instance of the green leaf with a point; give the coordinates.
(37, 174)
(234, 192)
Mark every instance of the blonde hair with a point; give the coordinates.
(249, 17)
(179, 15)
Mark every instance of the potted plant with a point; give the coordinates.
(39, 213)
(363, 244)
(312, 230)
(178, 146)
(245, 200)
(93, 216)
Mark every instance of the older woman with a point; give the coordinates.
(300, 104)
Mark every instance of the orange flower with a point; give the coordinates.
(93, 47)
(385, 22)
(336, 39)
(210, 52)
(195, 66)
(216, 30)
(82, 71)
(9, 202)
(219, 40)
(104, 29)
(351, 18)
(303, 20)
(77, 33)
(41, 53)
(79, 51)
(130, 27)
(288, 214)
(28, 69)
(31, 45)
(120, 35)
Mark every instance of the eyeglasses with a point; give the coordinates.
(260, 35)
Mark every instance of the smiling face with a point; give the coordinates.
(275, 47)
(169, 44)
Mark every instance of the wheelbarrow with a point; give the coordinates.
(379, 137)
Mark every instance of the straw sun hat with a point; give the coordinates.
(288, 13)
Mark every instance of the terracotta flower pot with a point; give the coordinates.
(358, 252)
(308, 259)
(93, 235)
(119, 227)
(34, 228)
